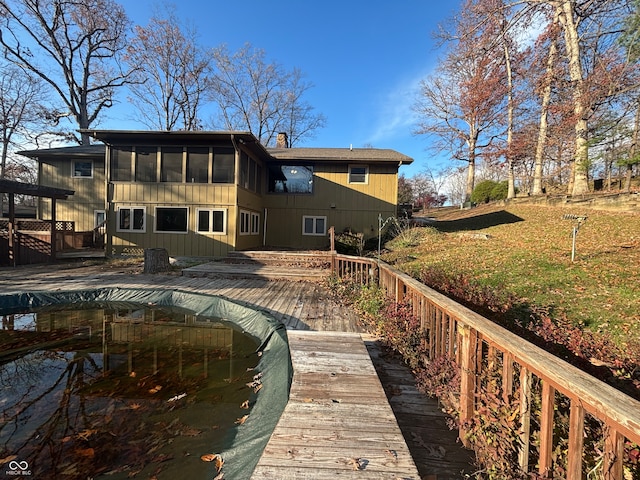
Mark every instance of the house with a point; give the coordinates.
(207, 193)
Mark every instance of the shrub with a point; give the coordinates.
(482, 191)
(500, 191)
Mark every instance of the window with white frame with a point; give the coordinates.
(249, 223)
(314, 225)
(245, 222)
(213, 220)
(131, 219)
(255, 223)
(82, 169)
(172, 220)
(358, 174)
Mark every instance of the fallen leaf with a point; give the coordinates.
(85, 434)
(86, 452)
(209, 457)
(219, 462)
(245, 405)
(241, 420)
(220, 476)
(134, 406)
(156, 389)
(356, 463)
(132, 374)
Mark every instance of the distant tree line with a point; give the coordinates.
(539, 93)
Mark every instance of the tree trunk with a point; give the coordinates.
(156, 260)
(580, 184)
(511, 191)
(544, 113)
(633, 151)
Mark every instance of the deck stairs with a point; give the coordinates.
(271, 265)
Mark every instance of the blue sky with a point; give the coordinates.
(365, 59)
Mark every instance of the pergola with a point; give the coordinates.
(18, 188)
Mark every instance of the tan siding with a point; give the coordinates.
(89, 193)
(193, 196)
(355, 206)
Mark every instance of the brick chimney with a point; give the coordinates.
(282, 141)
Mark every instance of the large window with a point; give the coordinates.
(358, 174)
(146, 164)
(121, 164)
(172, 219)
(314, 225)
(171, 165)
(131, 219)
(83, 168)
(291, 179)
(212, 221)
(197, 165)
(223, 165)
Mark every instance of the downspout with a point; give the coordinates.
(264, 229)
(108, 240)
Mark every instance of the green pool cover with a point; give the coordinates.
(250, 438)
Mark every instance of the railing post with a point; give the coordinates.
(468, 348)
(525, 419)
(546, 429)
(576, 441)
(612, 468)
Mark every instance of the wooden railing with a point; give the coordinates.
(475, 344)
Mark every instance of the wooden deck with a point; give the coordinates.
(336, 396)
(337, 423)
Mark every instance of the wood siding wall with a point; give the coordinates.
(346, 206)
(89, 193)
(192, 196)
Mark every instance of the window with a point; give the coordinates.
(83, 168)
(244, 170)
(121, 164)
(131, 219)
(212, 221)
(358, 174)
(290, 179)
(245, 218)
(255, 224)
(172, 219)
(197, 165)
(249, 223)
(223, 165)
(314, 225)
(146, 164)
(99, 217)
(171, 165)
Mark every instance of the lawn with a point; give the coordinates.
(524, 251)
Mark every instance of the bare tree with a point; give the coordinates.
(20, 96)
(172, 75)
(73, 46)
(262, 98)
(461, 105)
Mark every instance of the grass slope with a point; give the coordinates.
(525, 251)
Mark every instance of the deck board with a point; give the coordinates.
(337, 415)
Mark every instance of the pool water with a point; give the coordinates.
(120, 391)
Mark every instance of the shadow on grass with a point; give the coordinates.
(477, 222)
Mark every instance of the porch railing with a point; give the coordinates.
(475, 344)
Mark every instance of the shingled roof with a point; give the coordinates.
(355, 155)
